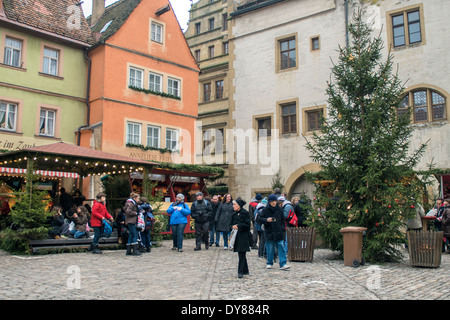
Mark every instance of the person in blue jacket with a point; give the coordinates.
(178, 212)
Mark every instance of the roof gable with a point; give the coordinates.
(60, 17)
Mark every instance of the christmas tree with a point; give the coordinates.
(363, 150)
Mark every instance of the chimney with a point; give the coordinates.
(98, 8)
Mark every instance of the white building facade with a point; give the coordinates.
(282, 52)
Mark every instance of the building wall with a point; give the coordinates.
(260, 88)
(113, 103)
(32, 90)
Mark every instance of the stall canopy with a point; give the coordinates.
(63, 157)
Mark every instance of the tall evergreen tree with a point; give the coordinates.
(363, 150)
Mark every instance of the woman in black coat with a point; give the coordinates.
(241, 222)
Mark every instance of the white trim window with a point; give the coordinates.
(173, 87)
(172, 139)
(136, 77)
(133, 133)
(155, 82)
(8, 116)
(153, 136)
(13, 52)
(51, 58)
(157, 32)
(47, 123)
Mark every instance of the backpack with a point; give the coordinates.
(106, 229)
(292, 219)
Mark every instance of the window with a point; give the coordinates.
(314, 119)
(153, 136)
(213, 140)
(50, 63)
(133, 133)
(172, 139)
(288, 55)
(106, 26)
(315, 43)
(264, 126)
(173, 87)
(289, 118)
(198, 28)
(157, 32)
(406, 27)
(224, 21)
(219, 89)
(197, 55)
(211, 24)
(427, 105)
(206, 92)
(225, 48)
(13, 52)
(211, 52)
(155, 82)
(136, 77)
(47, 123)
(8, 116)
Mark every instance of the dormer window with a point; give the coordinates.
(106, 26)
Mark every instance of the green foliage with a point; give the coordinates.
(363, 149)
(117, 189)
(29, 221)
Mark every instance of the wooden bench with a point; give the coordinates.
(72, 243)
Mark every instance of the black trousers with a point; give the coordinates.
(201, 234)
(242, 266)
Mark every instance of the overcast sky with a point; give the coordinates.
(180, 7)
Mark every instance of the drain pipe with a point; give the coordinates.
(346, 23)
(88, 106)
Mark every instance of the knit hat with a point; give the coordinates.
(264, 200)
(181, 196)
(271, 198)
(258, 196)
(240, 202)
(281, 198)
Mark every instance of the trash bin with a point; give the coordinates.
(425, 248)
(301, 242)
(353, 240)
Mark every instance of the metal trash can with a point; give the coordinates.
(353, 240)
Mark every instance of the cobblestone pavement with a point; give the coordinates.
(211, 274)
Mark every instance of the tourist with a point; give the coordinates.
(241, 222)
(258, 228)
(178, 211)
(99, 213)
(78, 198)
(201, 212)
(212, 222)
(274, 226)
(146, 210)
(446, 223)
(131, 216)
(251, 211)
(223, 218)
(80, 218)
(56, 223)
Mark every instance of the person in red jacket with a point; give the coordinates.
(99, 213)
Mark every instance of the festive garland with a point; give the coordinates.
(162, 94)
(146, 148)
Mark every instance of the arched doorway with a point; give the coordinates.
(297, 183)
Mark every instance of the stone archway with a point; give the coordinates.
(297, 183)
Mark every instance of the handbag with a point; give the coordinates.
(140, 222)
(292, 219)
(232, 238)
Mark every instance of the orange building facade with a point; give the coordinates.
(143, 83)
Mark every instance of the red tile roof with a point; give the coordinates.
(59, 17)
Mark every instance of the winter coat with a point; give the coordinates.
(241, 218)
(201, 211)
(415, 223)
(178, 216)
(131, 212)
(223, 217)
(99, 212)
(272, 230)
(446, 221)
(258, 210)
(80, 222)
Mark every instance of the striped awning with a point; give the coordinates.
(46, 173)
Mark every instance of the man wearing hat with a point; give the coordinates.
(201, 212)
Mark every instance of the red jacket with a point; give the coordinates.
(98, 213)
